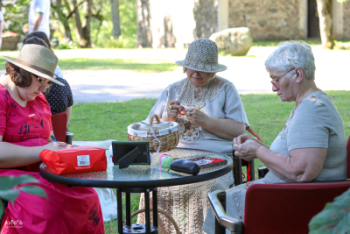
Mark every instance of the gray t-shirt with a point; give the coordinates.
(316, 123)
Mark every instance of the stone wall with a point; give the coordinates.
(346, 20)
(266, 19)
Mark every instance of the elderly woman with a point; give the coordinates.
(25, 129)
(310, 147)
(210, 113)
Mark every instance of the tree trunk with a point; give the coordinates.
(115, 18)
(144, 32)
(324, 8)
(58, 11)
(86, 24)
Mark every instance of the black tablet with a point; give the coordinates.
(131, 152)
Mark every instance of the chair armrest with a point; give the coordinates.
(232, 224)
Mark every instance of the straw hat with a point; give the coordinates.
(38, 60)
(202, 55)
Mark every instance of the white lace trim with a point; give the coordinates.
(185, 91)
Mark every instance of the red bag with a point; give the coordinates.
(75, 159)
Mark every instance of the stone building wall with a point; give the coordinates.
(266, 19)
(346, 20)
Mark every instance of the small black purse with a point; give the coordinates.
(185, 166)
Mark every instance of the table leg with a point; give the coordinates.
(127, 209)
(120, 211)
(147, 213)
(155, 208)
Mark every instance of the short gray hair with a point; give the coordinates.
(292, 54)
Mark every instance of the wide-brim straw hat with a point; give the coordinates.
(38, 60)
(202, 55)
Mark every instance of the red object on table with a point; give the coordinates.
(75, 159)
(217, 160)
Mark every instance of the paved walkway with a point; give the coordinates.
(248, 74)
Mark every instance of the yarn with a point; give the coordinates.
(163, 155)
(166, 161)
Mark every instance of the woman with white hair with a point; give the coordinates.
(210, 113)
(310, 147)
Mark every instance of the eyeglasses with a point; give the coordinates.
(46, 85)
(273, 81)
(203, 74)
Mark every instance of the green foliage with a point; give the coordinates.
(334, 218)
(128, 26)
(9, 189)
(68, 45)
(16, 15)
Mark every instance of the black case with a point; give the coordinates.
(185, 166)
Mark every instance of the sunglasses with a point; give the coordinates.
(46, 85)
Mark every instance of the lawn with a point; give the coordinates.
(266, 113)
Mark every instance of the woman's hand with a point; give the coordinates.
(174, 109)
(245, 147)
(195, 116)
(54, 146)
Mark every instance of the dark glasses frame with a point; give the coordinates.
(47, 85)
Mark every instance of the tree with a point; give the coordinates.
(144, 34)
(324, 9)
(115, 18)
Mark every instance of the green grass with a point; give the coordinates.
(275, 43)
(144, 66)
(135, 65)
(112, 226)
(266, 113)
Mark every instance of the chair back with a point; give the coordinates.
(348, 157)
(287, 208)
(59, 125)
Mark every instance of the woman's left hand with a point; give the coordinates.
(246, 150)
(195, 116)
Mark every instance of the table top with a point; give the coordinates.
(143, 176)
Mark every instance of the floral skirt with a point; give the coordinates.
(66, 209)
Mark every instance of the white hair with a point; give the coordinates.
(292, 54)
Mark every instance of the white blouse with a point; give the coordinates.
(219, 99)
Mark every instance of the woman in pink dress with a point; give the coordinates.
(25, 129)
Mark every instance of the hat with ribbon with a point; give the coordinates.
(38, 60)
(202, 55)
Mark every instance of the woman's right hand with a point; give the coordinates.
(174, 109)
(54, 146)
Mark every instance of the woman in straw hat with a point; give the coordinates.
(25, 129)
(59, 97)
(213, 115)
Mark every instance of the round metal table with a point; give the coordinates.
(141, 179)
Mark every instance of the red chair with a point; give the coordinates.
(278, 208)
(59, 125)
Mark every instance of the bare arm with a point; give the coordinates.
(69, 113)
(224, 128)
(37, 22)
(17, 156)
(300, 165)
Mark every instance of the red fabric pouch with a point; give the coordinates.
(75, 159)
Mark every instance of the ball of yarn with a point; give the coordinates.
(163, 155)
(166, 162)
